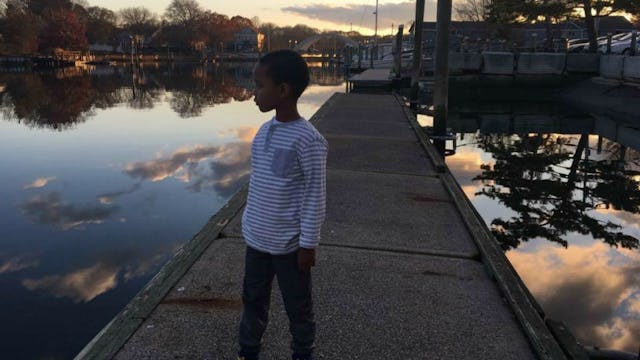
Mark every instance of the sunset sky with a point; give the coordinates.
(330, 15)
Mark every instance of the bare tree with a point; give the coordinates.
(256, 21)
(138, 20)
(136, 16)
(184, 12)
(472, 10)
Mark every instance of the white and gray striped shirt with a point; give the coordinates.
(287, 190)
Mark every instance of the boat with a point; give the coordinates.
(385, 59)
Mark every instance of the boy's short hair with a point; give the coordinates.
(287, 67)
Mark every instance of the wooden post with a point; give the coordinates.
(417, 53)
(359, 56)
(397, 59)
(609, 39)
(370, 55)
(634, 43)
(441, 73)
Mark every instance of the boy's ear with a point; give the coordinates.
(285, 90)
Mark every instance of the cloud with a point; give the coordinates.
(49, 209)
(39, 183)
(465, 165)
(109, 198)
(594, 289)
(627, 219)
(88, 282)
(362, 14)
(228, 166)
(16, 264)
(162, 168)
(244, 133)
(81, 285)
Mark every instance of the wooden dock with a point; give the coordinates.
(371, 78)
(405, 270)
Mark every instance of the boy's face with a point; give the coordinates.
(268, 95)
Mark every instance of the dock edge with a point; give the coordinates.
(525, 308)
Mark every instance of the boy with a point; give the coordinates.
(285, 207)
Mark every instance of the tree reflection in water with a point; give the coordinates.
(554, 188)
(62, 98)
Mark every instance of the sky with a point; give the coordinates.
(325, 15)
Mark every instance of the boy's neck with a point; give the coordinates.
(287, 112)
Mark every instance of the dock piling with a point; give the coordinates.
(417, 54)
(441, 74)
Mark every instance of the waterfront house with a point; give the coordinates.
(248, 39)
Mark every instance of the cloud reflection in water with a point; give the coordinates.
(49, 209)
(86, 283)
(228, 165)
(39, 183)
(16, 263)
(594, 289)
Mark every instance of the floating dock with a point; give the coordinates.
(372, 78)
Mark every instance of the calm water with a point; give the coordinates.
(561, 193)
(106, 174)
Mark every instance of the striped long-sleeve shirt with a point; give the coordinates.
(287, 190)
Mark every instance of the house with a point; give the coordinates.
(248, 39)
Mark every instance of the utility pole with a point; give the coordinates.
(374, 45)
(375, 33)
(417, 53)
(441, 74)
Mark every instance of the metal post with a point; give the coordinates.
(359, 56)
(397, 66)
(441, 74)
(634, 43)
(609, 39)
(131, 37)
(417, 53)
(375, 34)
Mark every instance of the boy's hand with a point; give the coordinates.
(306, 259)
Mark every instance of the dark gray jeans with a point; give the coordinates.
(295, 287)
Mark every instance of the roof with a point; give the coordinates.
(615, 23)
(612, 23)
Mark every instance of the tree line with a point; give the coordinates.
(507, 13)
(40, 26)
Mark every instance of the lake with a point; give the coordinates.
(107, 173)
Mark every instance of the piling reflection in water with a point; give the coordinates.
(561, 193)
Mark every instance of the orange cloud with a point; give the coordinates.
(81, 286)
(594, 289)
(39, 183)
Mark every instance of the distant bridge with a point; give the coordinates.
(305, 44)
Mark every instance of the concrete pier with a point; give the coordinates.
(405, 270)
